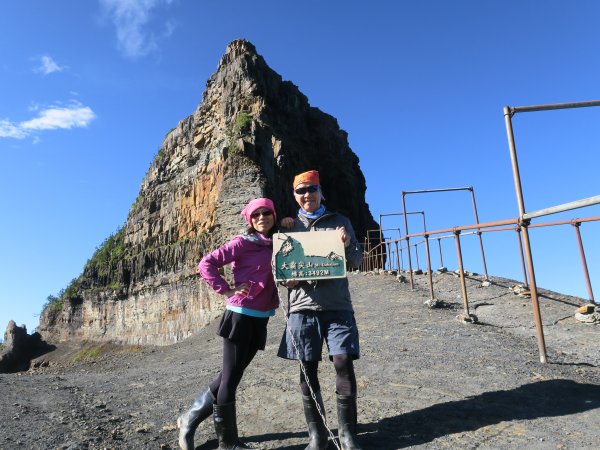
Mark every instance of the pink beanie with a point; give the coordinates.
(254, 205)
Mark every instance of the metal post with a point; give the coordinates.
(401, 259)
(584, 262)
(397, 260)
(539, 329)
(479, 234)
(525, 284)
(381, 239)
(412, 281)
(463, 284)
(389, 261)
(416, 246)
(431, 295)
(440, 247)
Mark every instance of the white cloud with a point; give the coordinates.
(48, 65)
(9, 129)
(56, 117)
(74, 116)
(131, 18)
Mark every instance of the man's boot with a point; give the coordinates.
(318, 436)
(189, 421)
(226, 427)
(346, 411)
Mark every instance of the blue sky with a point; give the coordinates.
(88, 91)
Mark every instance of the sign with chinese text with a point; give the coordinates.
(310, 255)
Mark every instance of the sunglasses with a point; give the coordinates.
(266, 213)
(303, 190)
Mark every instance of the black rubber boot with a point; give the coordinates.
(318, 437)
(189, 421)
(226, 427)
(346, 411)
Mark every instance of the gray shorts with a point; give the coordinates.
(310, 328)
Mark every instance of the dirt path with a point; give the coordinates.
(425, 380)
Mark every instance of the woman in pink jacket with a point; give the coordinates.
(250, 302)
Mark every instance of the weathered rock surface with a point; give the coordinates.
(250, 135)
(20, 348)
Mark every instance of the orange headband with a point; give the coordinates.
(310, 177)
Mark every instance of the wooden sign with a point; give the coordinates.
(309, 255)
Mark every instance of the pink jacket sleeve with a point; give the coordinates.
(209, 265)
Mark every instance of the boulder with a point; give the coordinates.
(20, 348)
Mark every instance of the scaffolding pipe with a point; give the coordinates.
(479, 234)
(431, 294)
(586, 273)
(497, 223)
(463, 284)
(404, 214)
(525, 283)
(410, 272)
(417, 256)
(469, 188)
(516, 109)
(564, 207)
(539, 329)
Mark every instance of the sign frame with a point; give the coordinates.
(326, 258)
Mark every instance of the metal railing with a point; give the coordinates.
(521, 225)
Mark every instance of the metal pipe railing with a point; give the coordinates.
(539, 329)
(488, 227)
(427, 191)
(404, 214)
(461, 270)
(524, 217)
(586, 273)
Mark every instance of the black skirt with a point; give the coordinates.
(242, 328)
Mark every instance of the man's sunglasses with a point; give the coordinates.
(266, 213)
(304, 190)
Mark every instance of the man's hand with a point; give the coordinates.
(344, 236)
(290, 283)
(287, 222)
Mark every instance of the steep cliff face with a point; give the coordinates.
(250, 135)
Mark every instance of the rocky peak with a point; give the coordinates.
(250, 135)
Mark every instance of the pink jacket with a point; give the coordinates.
(250, 258)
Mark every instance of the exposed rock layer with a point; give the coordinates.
(250, 135)
(20, 348)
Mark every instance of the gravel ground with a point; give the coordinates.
(426, 380)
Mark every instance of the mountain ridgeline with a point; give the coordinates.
(250, 135)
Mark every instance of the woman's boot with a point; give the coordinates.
(189, 421)
(226, 427)
(318, 436)
(346, 411)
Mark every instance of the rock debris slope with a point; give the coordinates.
(425, 380)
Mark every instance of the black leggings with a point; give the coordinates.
(345, 379)
(236, 357)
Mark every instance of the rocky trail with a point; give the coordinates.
(426, 380)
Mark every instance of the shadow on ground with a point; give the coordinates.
(531, 401)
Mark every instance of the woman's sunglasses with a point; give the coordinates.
(304, 190)
(266, 213)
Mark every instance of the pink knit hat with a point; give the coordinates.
(254, 205)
